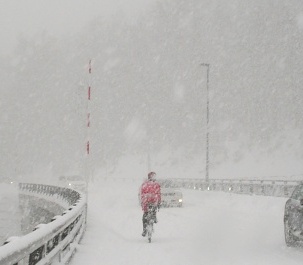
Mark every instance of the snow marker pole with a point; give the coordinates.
(88, 123)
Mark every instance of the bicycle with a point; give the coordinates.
(150, 220)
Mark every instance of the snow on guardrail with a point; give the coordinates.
(52, 243)
(267, 187)
(276, 188)
(55, 242)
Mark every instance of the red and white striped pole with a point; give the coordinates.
(88, 121)
(88, 105)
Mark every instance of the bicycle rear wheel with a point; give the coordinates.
(150, 230)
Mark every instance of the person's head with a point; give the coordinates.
(151, 176)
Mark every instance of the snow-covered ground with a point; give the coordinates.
(212, 228)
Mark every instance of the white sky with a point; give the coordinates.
(55, 16)
(212, 228)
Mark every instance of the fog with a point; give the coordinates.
(149, 89)
(59, 18)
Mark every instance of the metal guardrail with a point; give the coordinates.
(265, 187)
(62, 196)
(55, 242)
(276, 188)
(52, 243)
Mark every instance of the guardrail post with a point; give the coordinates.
(230, 186)
(241, 186)
(262, 187)
(285, 188)
(273, 187)
(251, 188)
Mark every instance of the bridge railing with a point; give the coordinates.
(54, 242)
(277, 188)
(266, 187)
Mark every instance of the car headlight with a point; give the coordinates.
(180, 200)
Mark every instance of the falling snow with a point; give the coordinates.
(148, 111)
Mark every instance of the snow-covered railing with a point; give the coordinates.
(277, 188)
(267, 187)
(58, 195)
(54, 242)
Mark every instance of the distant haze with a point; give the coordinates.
(57, 17)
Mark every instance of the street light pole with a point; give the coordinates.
(207, 122)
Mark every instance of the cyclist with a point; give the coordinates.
(150, 195)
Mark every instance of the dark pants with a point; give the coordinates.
(146, 217)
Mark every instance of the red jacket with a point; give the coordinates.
(150, 194)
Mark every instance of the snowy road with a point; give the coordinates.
(211, 228)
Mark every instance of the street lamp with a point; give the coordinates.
(207, 121)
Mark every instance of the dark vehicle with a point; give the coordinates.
(293, 218)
